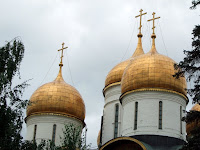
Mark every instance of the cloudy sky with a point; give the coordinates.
(99, 33)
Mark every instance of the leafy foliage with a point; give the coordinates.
(191, 116)
(31, 145)
(11, 104)
(72, 139)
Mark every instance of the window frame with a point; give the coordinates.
(34, 133)
(116, 122)
(136, 116)
(160, 115)
(54, 133)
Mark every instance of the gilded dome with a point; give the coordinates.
(196, 107)
(57, 98)
(115, 75)
(152, 71)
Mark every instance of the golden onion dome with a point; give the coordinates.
(152, 71)
(57, 98)
(196, 107)
(192, 125)
(115, 75)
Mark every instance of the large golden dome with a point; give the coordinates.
(115, 75)
(58, 98)
(152, 71)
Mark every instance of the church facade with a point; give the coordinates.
(144, 103)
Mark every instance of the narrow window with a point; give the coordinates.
(160, 115)
(181, 119)
(34, 134)
(136, 115)
(116, 120)
(54, 133)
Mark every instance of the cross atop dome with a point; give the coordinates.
(153, 19)
(140, 15)
(61, 64)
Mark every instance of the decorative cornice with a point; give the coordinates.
(110, 85)
(124, 138)
(55, 114)
(153, 89)
(113, 101)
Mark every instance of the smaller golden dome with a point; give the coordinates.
(152, 71)
(59, 98)
(115, 75)
(196, 107)
(196, 123)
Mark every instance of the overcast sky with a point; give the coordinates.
(99, 34)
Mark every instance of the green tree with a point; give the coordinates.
(72, 139)
(190, 64)
(11, 102)
(190, 68)
(193, 138)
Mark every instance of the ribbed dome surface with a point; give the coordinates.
(57, 97)
(152, 70)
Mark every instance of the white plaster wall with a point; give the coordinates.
(45, 126)
(148, 114)
(112, 95)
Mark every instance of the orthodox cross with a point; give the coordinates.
(140, 19)
(153, 21)
(61, 64)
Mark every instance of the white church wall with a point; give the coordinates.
(111, 99)
(148, 114)
(45, 127)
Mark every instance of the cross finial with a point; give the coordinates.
(153, 22)
(140, 15)
(61, 64)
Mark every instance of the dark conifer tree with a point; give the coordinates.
(190, 67)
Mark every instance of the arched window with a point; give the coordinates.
(54, 133)
(34, 133)
(181, 119)
(136, 116)
(116, 120)
(160, 115)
